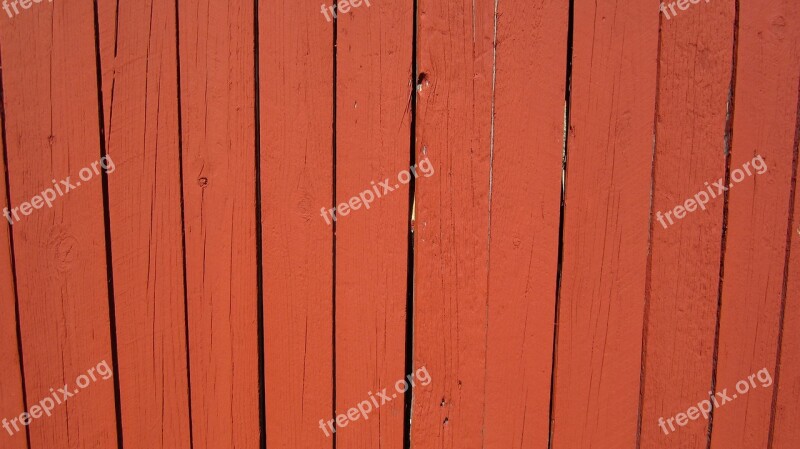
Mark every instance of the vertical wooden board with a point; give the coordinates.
(108, 28)
(786, 433)
(296, 73)
(52, 130)
(453, 130)
(694, 90)
(373, 116)
(217, 82)
(762, 159)
(11, 398)
(607, 225)
(146, 229)
(525, 213)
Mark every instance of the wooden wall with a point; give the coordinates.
(533, 269)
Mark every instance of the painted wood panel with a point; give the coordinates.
(374, 85)
(525, 207)
(296, 74)
(11, 387)
(53, 132)
(606, 225)
(216, 45)
(694, 90)
(762, 164)
(144, 206)
(455, 55)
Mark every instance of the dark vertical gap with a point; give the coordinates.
(408, 399)
(726, 196)
(11, 248)
(107, 224)
(333, 225)
(262, 393)
(567, 106)
(649, 266)
(183, 224)
(789, 231)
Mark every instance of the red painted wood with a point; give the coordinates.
(694, 87)
(454, 130)
(11, 401)
(607, 225)
(53, 131)
(765, 114)
(373, 116)
(145, 217)
(217, 82)
(525, 213)
(296, 73)
(785, 432)
(638, 309)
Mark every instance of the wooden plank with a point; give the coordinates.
(453, 130)
(217, 86)
(11, 388)
(525, 214)
(607, 225)
(145, 218)
(762, 156)
(296, 73)
(52, 130)
(108, 28)
(373, 116)
(694, 90)
(785, 432)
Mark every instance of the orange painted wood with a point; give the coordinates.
(694, 87)
(373, 116)
(606, 225)
(145, 219)
(52, 130)
(525, 213)
(107, 30)
(11, 399)
(217, 88)
(454, 130)
(785, 432)
(765, 114)
(296, 86)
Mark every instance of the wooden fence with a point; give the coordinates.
(555, 270)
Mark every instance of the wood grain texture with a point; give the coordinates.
(607, 225)
(217, 80)
(107, 31)
(785, 432)
(693, 95)
(145, 220)
(52, 129)
(11, 397)
(765, 114)
(296, 73)
(373, 116)
(525, 213)
(454, 130)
